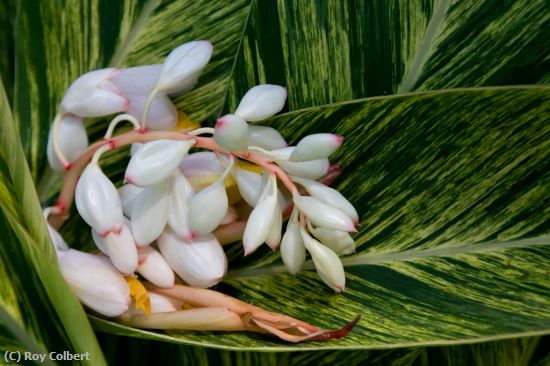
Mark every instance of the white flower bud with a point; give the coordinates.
(136, 83)
(274, 238)
(265, 137)
(249, 184)
(57, 240)
(339, 241)
(183, 66)
(200, 263)
(261, 102)
(293, 251)
(207, 208)
(315, 147)
(261, 219)
(313, 169)
(231, 133)
(329, 196)
(178, 210)
(328, 265)
(120, 248)
(72, 138)
(98, 202)
(93, 95)
(156, 161)
(150, 212)
(128, 194)
(322, 214)
(95, 282)
(153, 267)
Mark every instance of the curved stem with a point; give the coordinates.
(55, 141)
(70, 178)
(99, 152)
(117, 120)
(200, 131)
(146, 108)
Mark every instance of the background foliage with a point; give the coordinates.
(453, 185)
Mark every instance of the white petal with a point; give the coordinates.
(328, 265)
(249, 184)
(207, 208)
(162, 114)
(329, 196)
(317, 146)
(150, 213)
(140, 80)
(95, 282)
(153, 267)
(178, 211)
(282, 153)
(156, 161)
(261, 102)
(274, 238)
(199, 162)
(313, 169)
(135, 147)
(322, 214)
(293, 251)
(265, 137)
(128, 194)
(86, 97)
(200, 263)
(260, 222)
(163, 304)
(58, 242)
(120, 248)
(72, 138)
(339, 241)
(183, 65)
(97, 201)
(231, 133)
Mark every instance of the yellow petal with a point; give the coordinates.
(249, 166)
(185, 123)
(139, 294)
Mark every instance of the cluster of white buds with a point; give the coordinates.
(175, 208)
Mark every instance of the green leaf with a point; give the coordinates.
(7, 63)
(454, 243)
(430, 267)
(332, 51)
(514, 352)
(52, 53)
(37, 309)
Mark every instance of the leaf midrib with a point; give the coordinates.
(406, 255)
(422, 52)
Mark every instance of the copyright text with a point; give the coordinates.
(19, 356)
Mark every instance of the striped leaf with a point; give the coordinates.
(37, 309)
(514, 352)
(453, 188)
(453, 246)
(332, 51)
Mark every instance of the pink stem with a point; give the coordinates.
(70, 179)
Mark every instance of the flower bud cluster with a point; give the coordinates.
(170, 215)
